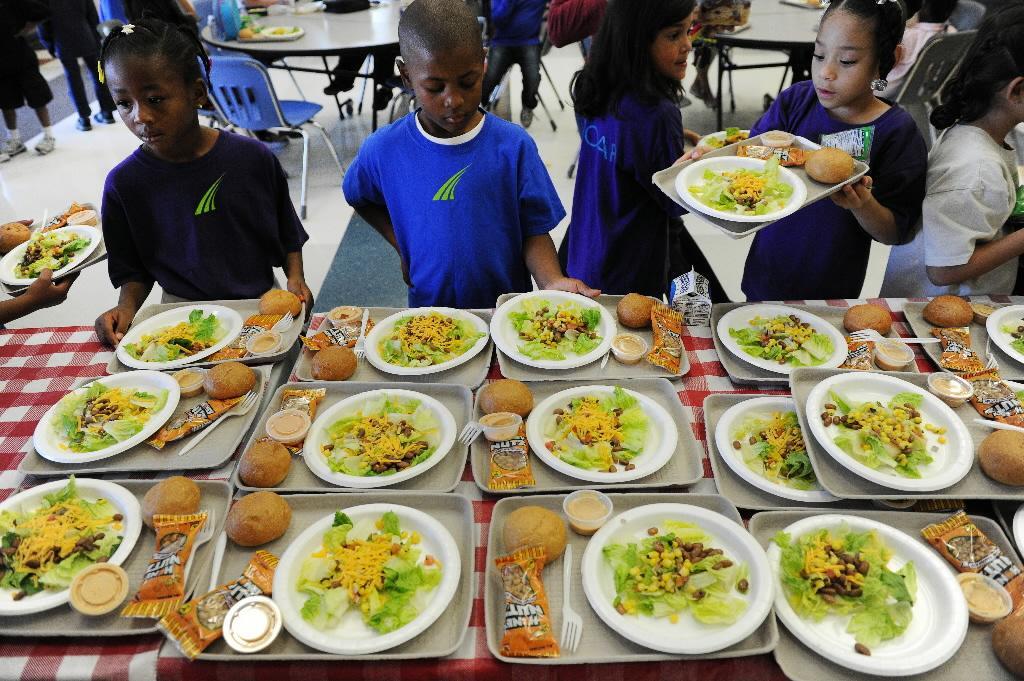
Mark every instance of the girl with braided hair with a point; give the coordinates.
(965, 244)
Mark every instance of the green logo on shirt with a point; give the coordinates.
(208, 203)
(447, 190)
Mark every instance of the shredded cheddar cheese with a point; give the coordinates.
(60, 527)
(360, 564)
(432, 329)
(745, 187)
(591, 423)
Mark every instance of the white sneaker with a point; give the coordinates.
(4, 158)
(12, 147)
(46, 145)
(526, 117)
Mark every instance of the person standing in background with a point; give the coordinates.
(20, 80)
(516, 40)
(572, 21)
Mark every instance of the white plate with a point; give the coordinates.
(9, 261)
(935, 633)
(687, 636)
(723, 440)
(693, 175)
(48, 444)
(318, 436)
(720, 135)
(1002, 339)
(351, 636)
(90, 490)
(507, 339)
(953, 460)
(383, 329)
(1018, 528)
(739, 318)
(662, 436)
(263, 37)
(229, 320)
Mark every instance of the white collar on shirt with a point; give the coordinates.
(451, 141)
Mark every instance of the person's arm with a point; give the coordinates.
(187, 9)
(113, 324)
(986, 257)
(41, 294)
(542, 261)
(297, 279)
(874, 218)
(380, 219)
(570, 21)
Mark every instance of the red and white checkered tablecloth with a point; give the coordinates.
(37, 366)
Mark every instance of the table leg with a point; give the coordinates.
(718, 91)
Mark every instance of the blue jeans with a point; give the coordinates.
(502, 57)
(76, 87)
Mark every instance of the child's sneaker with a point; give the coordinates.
(12, 147)
(526, 117)
(46, 145)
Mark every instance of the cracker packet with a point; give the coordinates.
(968, 549)
(528, 631)
(994, 399)
(787, 156)
(163, 583)
(192, 421)
(198, 623)
(690, 294)
(668, 338)
(303, 399)
(510, 463)
(329, 335)
(255, 324)
(858, 355)
(957, 354)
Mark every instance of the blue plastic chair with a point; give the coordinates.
(244, 96)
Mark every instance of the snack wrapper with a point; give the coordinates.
(163, 583)
(252, 326)
(994, 399)
(58, 221)
(198, 623)
(528, 631)
(510, 463)
(968, 549)
(306, 400)
(858, 355)
(668, 338)
(787, 156)
(957, 354)
(345, 336)
(690, 294)
(192, 421)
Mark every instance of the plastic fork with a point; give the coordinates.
(239, 409)
(572, 623)
(872, 335)
(998, 425)
(205, 535)
(285, 322)
(360, 349)
(470, 432)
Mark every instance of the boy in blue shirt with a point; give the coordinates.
(463, 196)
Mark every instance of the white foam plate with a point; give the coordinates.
(693, 175)
(10, 261)
(507, 338)
(761, 406)
(687, 636)
(316, 462)
(50, 445)
(1002, 339)
(936, 631)
(89, 489)
(352, 636)
(953, 460)
(1018, 528)
(739, 318)
(383, 329)
(662, 436)
(230, 325)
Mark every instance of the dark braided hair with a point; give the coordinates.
(888, 18)
(178, 43)
(994, 59)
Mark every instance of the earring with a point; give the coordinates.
(879, 84)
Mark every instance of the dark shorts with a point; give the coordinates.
(22, 83)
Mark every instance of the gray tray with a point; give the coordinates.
(63, 621)
(599, 643)
(471, 374)
(440, 639)
(816, 191)
(732, 486)
(443, 477)
(245, 308)
(214, 451)
(684, 468)
(844, 483)
(974, 660)
(612, 371)
(96, 257)
(1004, 512)
(744, 373)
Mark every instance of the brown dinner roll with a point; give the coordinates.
(1008, 642)
(829, 165)
(1001, 456)
(948, 311)
(535, 526)
(279, 301)
(258, 518)
(174, 496)
(265, 464)
(506, 395)
(229, 380)
(333, 363)
(860, 317)
(634, 310)
(13, 234)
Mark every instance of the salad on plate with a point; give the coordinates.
(553, 331)
(773, 447)
(181, 340)
(428, 340)
(744, 191)
(784, 339)
(100, 416)
(49, 250)
(717, 140)
(599, 432)
(1016, 332)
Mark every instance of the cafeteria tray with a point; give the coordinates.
(816, 191)
(844, 483)
(245, 308)
(612, 371)
(443, 477)
(974, 660)
(470, 374)
(96, 257)
(599, 643)
(745, 373)
(1009, 368)
(63, 621)
(684, 468)
(1005, 511)
(438, 640)
(214, 451)
(734, 488)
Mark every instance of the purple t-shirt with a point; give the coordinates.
(822, 251)
(209, 229)
(618, 236)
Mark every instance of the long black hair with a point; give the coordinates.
(620, 57)
(177, 42)
(994, 59)
(887, 18)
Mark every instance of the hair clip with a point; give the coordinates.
(128, 29)
(99, 72)
(879, 84)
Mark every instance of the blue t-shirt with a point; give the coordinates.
(209, 229)
(517, 22)
(618, 236)
(461, 212)
(821, 251)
